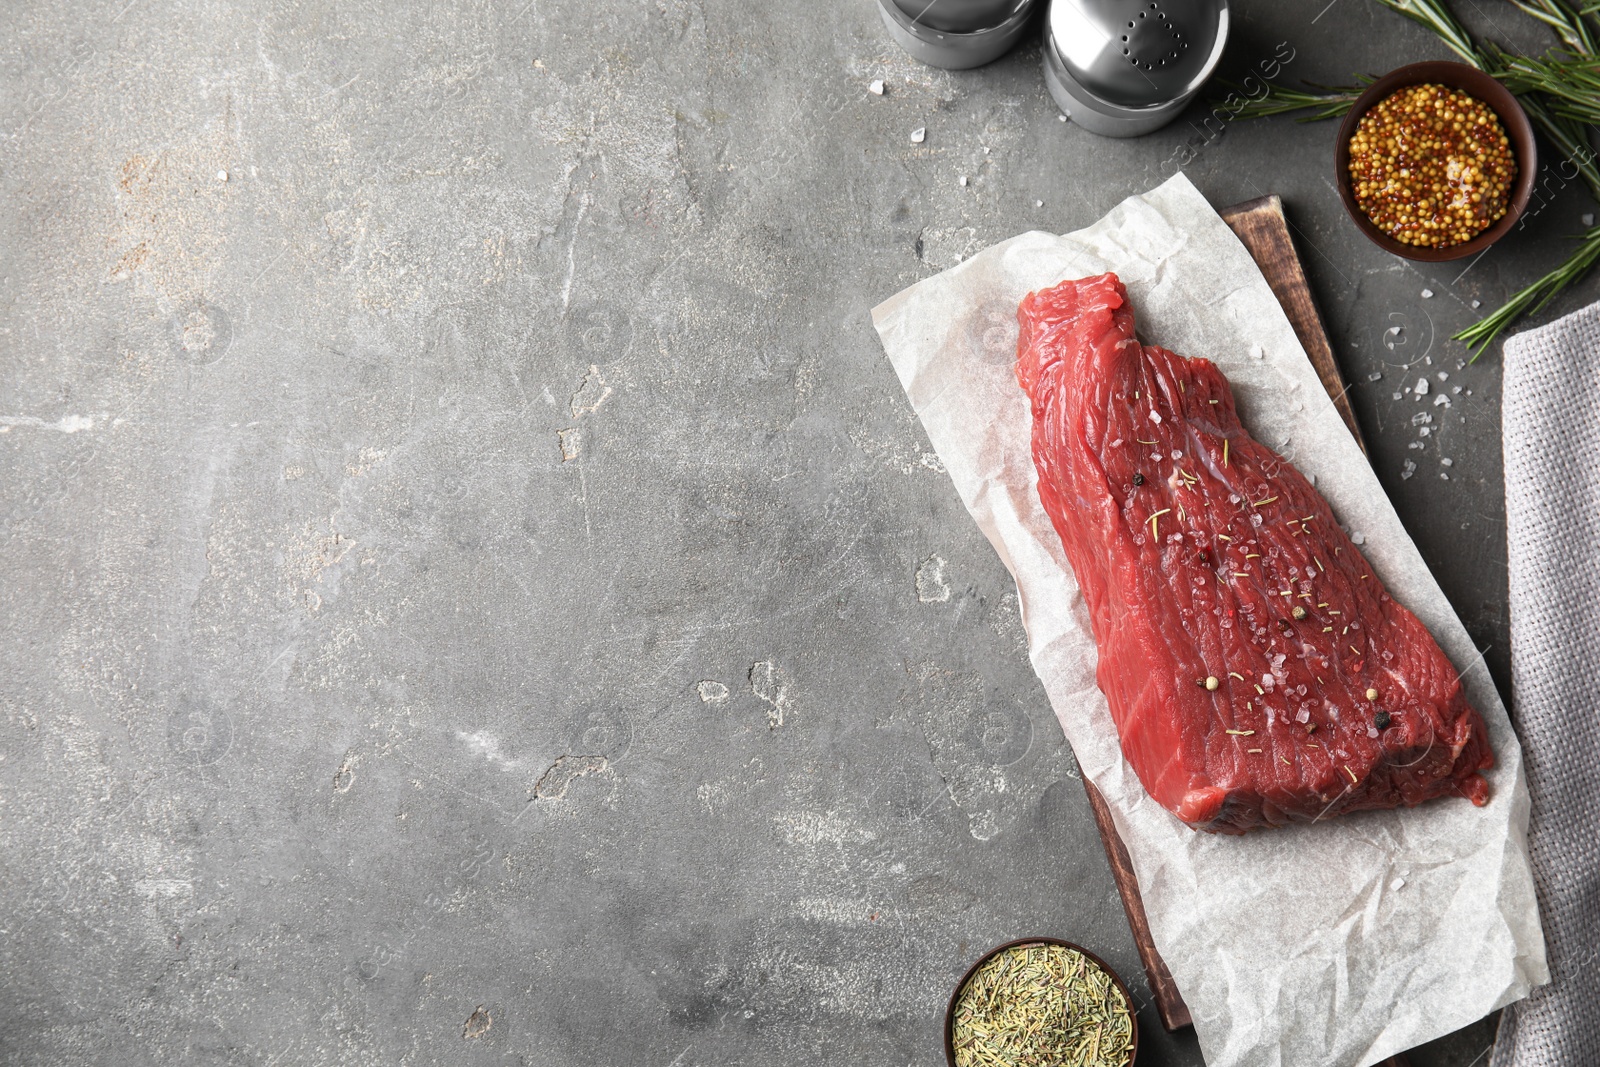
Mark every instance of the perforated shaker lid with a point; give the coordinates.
(1138, 53)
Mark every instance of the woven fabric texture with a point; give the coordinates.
(1551, 423)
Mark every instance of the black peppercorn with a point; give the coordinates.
(1138, 479)
(1382, 720)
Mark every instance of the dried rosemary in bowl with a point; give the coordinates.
(1041, 1005)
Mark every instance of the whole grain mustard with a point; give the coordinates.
(1431, 166)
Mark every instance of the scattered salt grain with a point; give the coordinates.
(1443, 477)
(1410, 469)
(1375, 376)
(1372, 731)
(876, 88)
(1477, 304)
(1427, 293)
(1416, 444)
(1117, 442)
(1456, 389)
(1425, 431)
(1588, 219)
(1038, 203)
(1397, 396)
(1398, 884)
(1358, 538)
(1443, 376)
(1061, 118)
(919, 135)
(1155, 417)
(962, 180)
(1421, 388)
(222, 175)
(1176, 454)
(1257, 352)
(1446, 462)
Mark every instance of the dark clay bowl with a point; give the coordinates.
(1473, 82)
(1116, 979)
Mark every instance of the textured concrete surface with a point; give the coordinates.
(473, 590)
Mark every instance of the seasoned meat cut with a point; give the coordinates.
(1257, 671)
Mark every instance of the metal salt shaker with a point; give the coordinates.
(1121, 68)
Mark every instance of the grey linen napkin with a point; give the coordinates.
(1551, 423)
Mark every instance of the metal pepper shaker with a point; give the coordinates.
(956, 34)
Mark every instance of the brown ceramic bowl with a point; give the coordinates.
(1116, 979)
(1473, 82)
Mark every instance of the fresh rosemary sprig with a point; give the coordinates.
(1436, 17)
(1572, 82)
(1533, 299)
(1570, 25)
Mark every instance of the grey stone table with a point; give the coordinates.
(473, 590)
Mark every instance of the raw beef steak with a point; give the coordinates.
(1257, 671)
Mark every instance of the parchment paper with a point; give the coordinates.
(1338, 943)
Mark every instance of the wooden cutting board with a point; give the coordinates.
(1261, 226)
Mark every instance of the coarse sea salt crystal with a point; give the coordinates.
(1257, 352)
(1409, 470)
(1443, 376)
(962, 180)
(1441, 399)
(1421, 388)
(1117, 442)
(1397, 396)
(1477, 304)
(1427, 293)
(1443, 477)
(1425, 431)
(1375, 376)
(1398, 884)
(1176, 454)
(1155, 417)
(1447, 462)
(876, 87)
(919, 135)
(1358, 538)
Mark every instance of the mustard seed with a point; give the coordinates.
(1431, 166)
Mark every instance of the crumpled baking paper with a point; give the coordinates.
(1338, 943)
